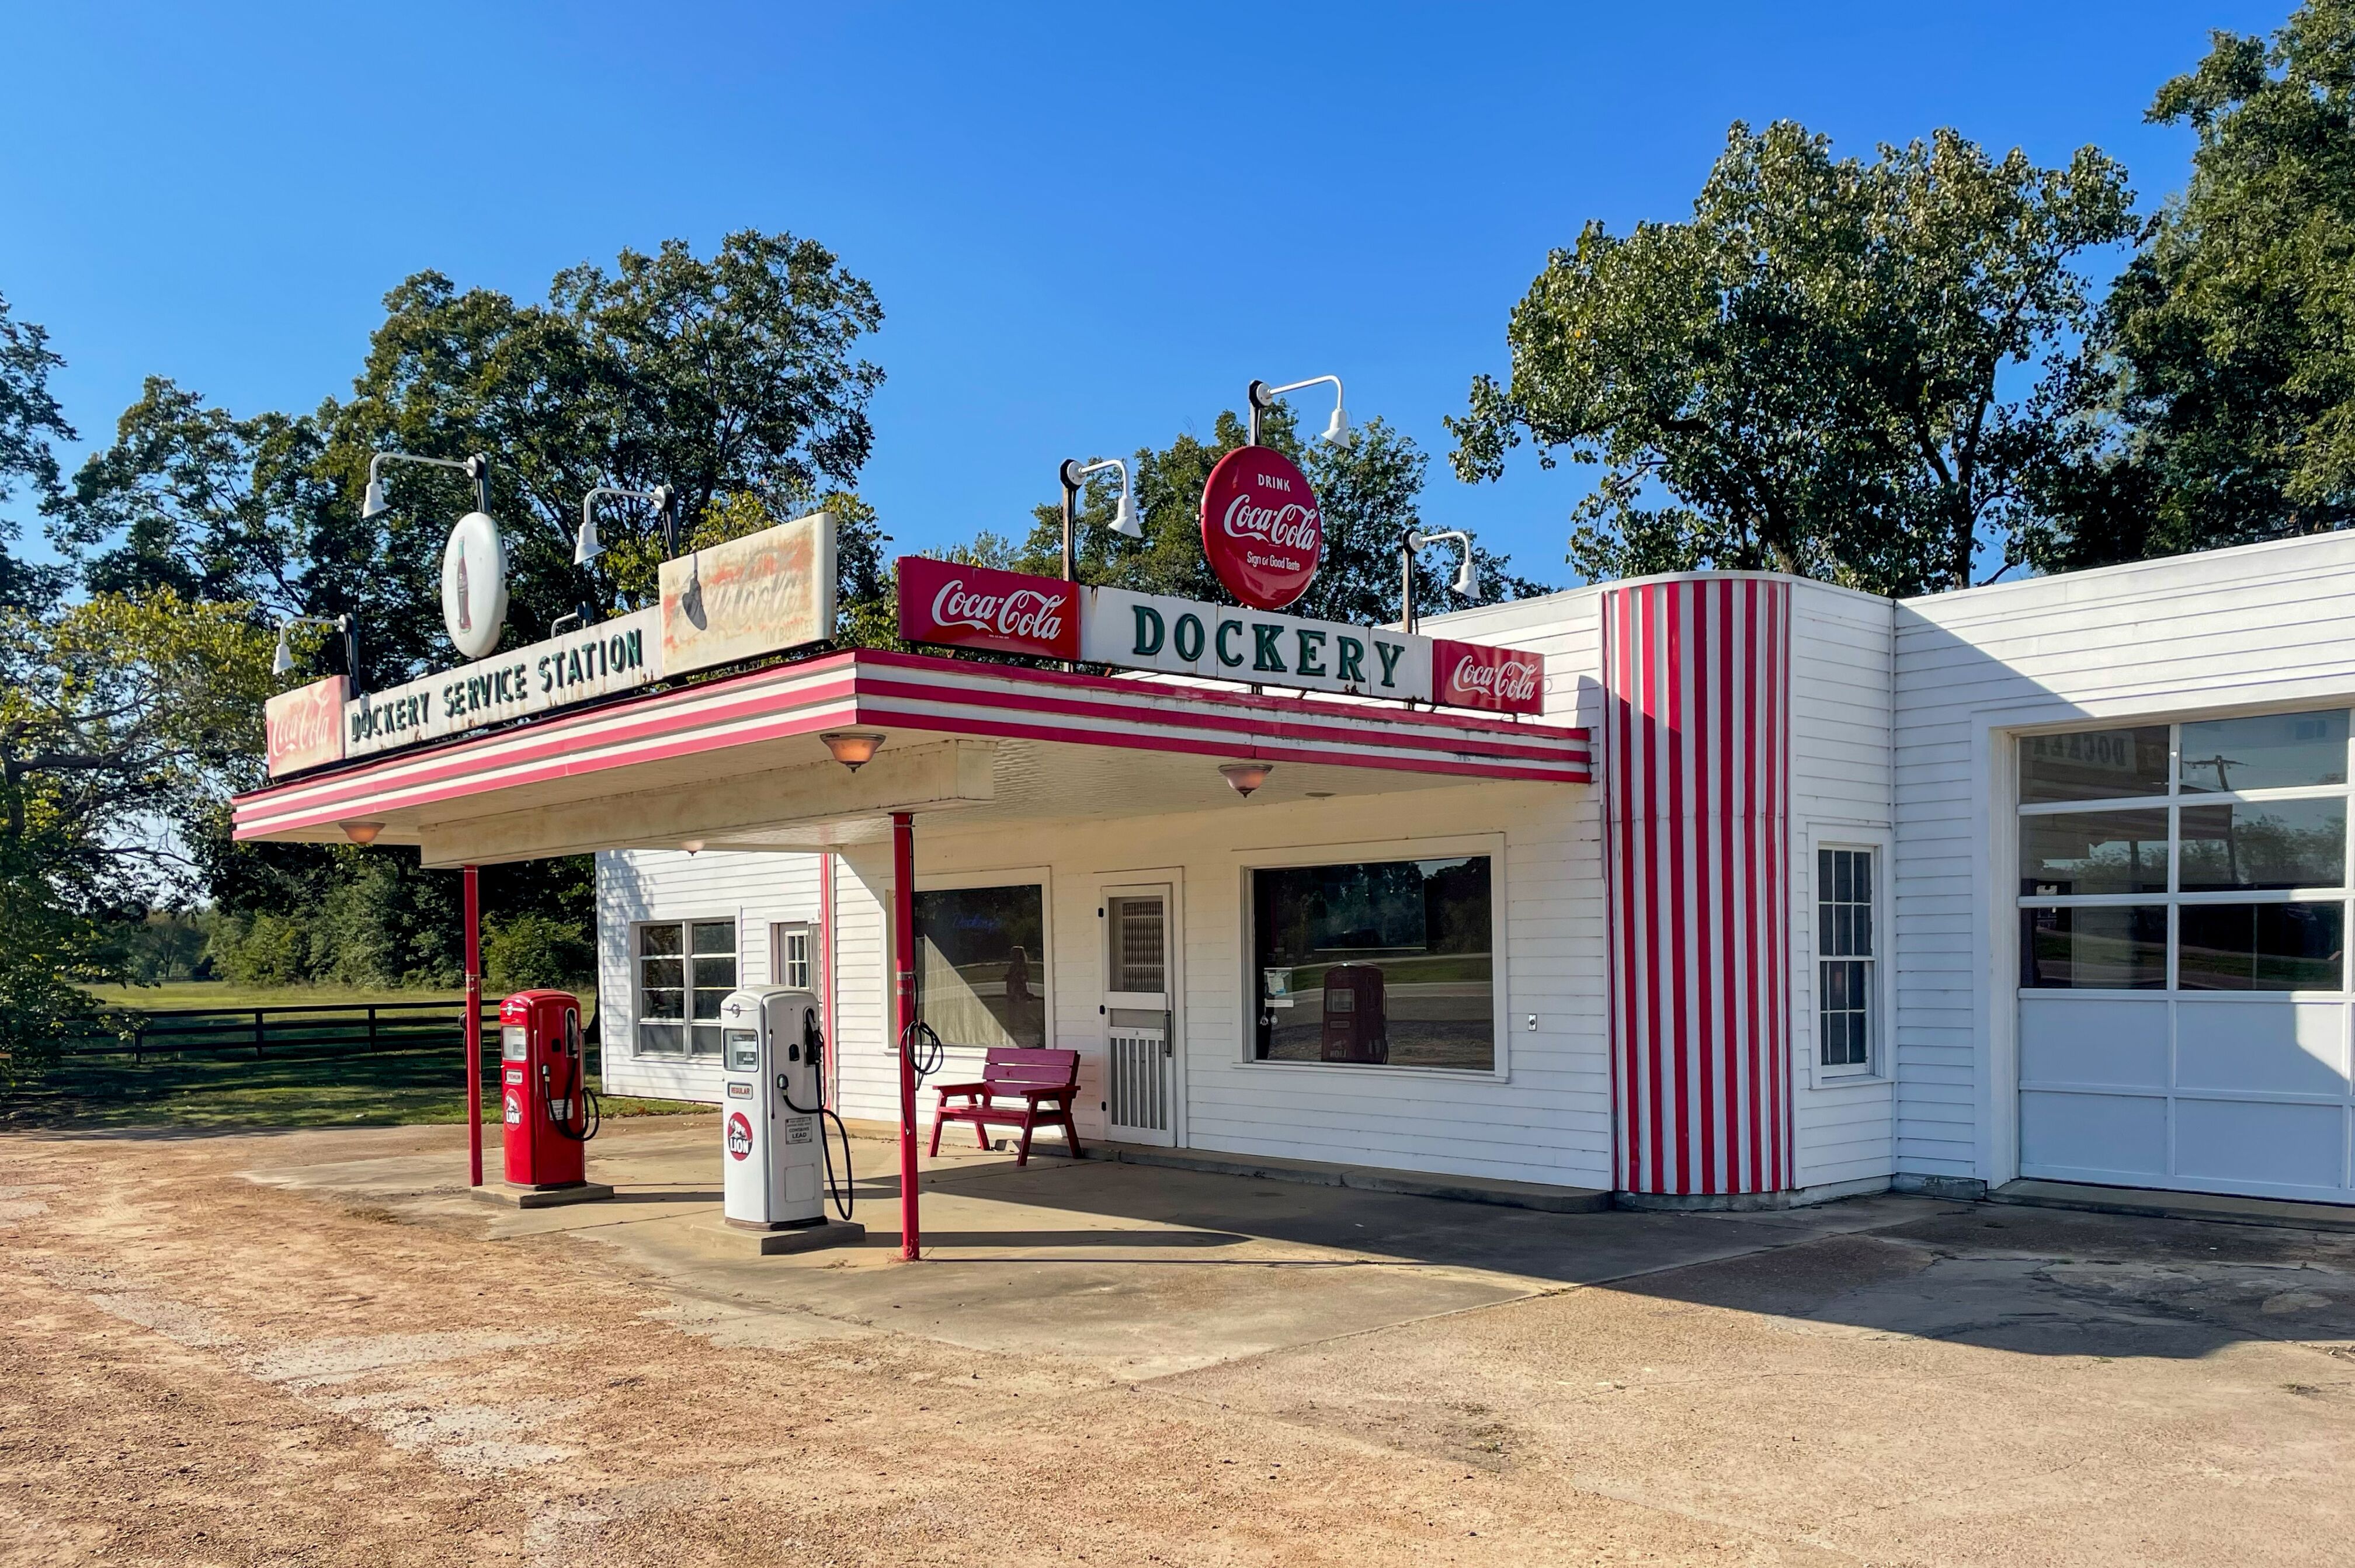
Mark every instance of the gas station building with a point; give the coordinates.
(1773, 892)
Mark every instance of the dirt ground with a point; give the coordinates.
(207, 1368)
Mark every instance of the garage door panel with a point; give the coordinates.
(2088, 1041)
(2122, 1133)
(2251, 1141)
(2262, 1047)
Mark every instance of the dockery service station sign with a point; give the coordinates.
(949, 605)
(762, 593)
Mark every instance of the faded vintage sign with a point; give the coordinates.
(304, 727)
(761, 594)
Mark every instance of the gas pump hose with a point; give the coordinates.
(842, 1189)
(593, 1108)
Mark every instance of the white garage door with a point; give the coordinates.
(2184, 1012)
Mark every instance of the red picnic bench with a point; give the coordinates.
(1043, 1081)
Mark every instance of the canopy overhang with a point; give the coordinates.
(738, 763)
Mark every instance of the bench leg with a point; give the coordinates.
(937, 1120)
(981, 1135)
(1024, 1156)
(1071, 1133)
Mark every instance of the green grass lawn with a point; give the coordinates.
(352, 1090)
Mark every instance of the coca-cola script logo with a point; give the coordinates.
(304, 728)
(1261, 531)
(1509, 680)
(978, 607)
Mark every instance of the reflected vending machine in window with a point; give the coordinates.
(1357, 1022)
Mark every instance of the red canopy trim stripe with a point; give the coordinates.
(939, 696)
(1696, 677)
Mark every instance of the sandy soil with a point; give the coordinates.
(202, 1371)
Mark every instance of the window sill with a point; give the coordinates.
(1469, 1074)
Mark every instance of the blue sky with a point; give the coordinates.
(1089, 226)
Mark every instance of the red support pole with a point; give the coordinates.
(474, 1030)
(903, 950)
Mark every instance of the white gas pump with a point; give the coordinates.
(774, 1158)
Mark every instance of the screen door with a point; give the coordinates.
(1140, 1077)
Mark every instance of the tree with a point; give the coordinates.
(1367, 492)
(2215, 402)
(121, 720)
(1806, 376)
(29, 420)
(732, 379)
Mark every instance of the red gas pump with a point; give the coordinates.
(544, 1090)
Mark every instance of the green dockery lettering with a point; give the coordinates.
(1189, 647)
(1309, 658)
(1149, 632)
(1390, 653)
(1349, 663)
(1264, 655)
(1231, 661)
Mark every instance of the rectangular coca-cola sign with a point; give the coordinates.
(1472, 675)
(957, 606)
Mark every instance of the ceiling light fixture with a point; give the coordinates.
(362, 833)
(1245, 777)
(854, 749)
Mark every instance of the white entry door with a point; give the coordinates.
(1140, 1050)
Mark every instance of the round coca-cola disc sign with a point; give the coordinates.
(1260, 530)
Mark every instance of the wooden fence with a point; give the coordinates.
(321, 1030)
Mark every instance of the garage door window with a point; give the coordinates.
(2208, 856)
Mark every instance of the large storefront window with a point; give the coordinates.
(1384, 963)
(2229, 872)
(685, 970)
(980, 964)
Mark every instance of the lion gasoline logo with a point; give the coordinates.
(740, 1136)
(514, 1108)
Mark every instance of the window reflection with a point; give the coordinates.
(980, 965)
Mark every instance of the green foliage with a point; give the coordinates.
(29, 420)
(733, 380)
(533, 949)
(266, 951)
(1805, 375)
(2216, 400)
(1369, 492)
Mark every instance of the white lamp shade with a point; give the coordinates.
(283, 660)
(1337, 429)
(1467, 578)
(585, 545)
(373, 502)
(1125, 520)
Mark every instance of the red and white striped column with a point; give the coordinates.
(1697, 677)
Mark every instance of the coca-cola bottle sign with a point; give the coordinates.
(1261, 531)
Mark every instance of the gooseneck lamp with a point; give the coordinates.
(281, 662)
(478, 468)
(1261, 398)
(1074, 474)
(585, 545)
(1467, 574)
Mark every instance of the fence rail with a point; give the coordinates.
(325, 1028)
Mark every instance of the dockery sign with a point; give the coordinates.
(764, 593)
(1005, 611)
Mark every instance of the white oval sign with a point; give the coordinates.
(474, 585)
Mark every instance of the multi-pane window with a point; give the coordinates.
(2208, 856)
(685, 970)
(790, 956)
(1845, 936)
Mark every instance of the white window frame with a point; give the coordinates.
(781, 936)
(1874, 1068)
(1041, 878)
(734, 920)
(1491, 845)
